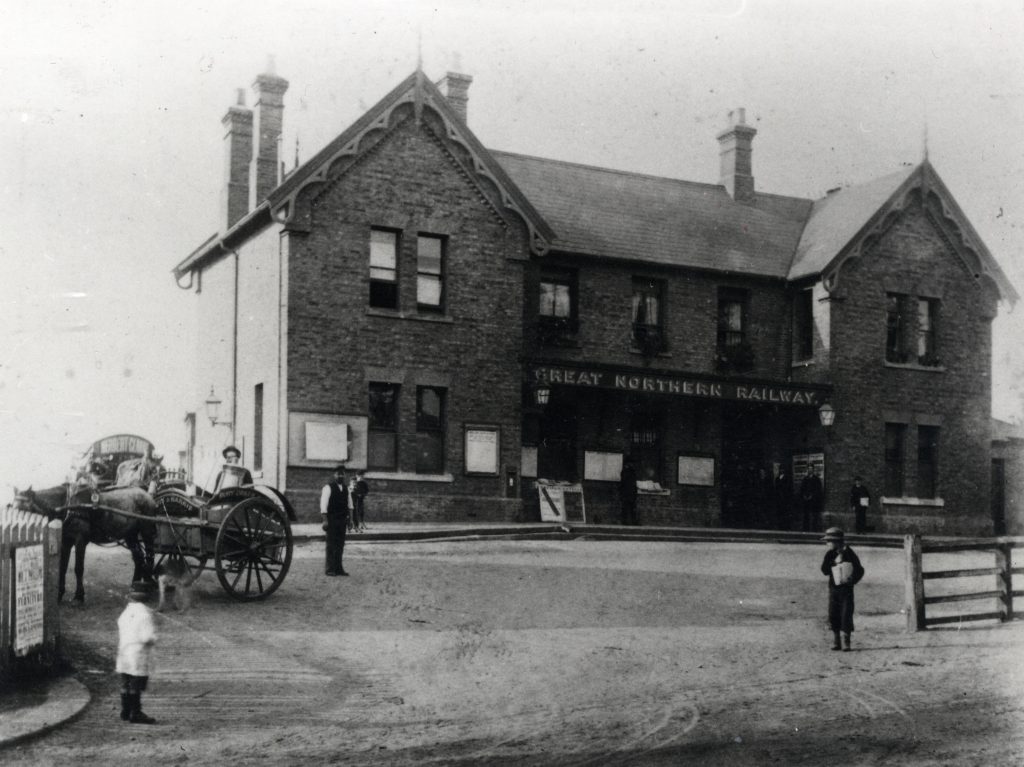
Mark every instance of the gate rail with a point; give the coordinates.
(915, 547)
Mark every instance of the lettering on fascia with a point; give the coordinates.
(771, 394)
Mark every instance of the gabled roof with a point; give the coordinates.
(837, 218)
(417, 90)
(615, 214)
(842, 221)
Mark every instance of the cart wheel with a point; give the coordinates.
(253, 550)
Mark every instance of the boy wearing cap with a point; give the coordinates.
(844, 571)
(136, 635)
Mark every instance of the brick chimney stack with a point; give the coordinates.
(735, 153)
(455, 88)
(238, 154)
(266, 166)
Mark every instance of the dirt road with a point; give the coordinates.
(547, 653)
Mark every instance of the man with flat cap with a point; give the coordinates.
(334, 510)
(233, 474)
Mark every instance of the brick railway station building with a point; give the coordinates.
(461, 322)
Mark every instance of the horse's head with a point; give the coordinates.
(23, 500)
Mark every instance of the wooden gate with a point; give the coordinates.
(29, 615)
(1001, 571)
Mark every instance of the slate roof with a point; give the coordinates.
(615, 214)
(837, 218)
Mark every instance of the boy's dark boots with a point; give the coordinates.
(846, 642)
(126, 709)
(136, 716)
(835, 642)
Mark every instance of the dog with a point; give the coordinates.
(174, 573)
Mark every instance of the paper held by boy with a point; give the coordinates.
(842, 573)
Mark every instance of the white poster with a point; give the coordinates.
(326, 441)
(481, 451)
(28, 596)
(600, 466)
(696, 470)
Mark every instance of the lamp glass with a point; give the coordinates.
(827, 414)
(542, 394)
(212, 407)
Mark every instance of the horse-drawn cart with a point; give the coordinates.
(246, 531)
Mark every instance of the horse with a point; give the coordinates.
(89, 516)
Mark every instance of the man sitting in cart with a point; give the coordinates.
(233, 474)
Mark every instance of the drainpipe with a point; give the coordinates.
(234, 343)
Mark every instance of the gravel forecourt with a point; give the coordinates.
(574, 652)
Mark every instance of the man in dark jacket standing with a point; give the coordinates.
(811, 496)
(860, 500)
(334, 510)
(627, 493)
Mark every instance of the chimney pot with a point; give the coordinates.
(238, 155)
(735, 154)
(265, 170)
(455, 88)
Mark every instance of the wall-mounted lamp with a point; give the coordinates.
(542, 394)
(213, 410)
(827, 414)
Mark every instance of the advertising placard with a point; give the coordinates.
(28, 598)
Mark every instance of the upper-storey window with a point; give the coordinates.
(895, 328)
(557, 304)
(927, 319)
(803, 325)
(430, 272)
(648, 311)
(384, 268)
(734, 350)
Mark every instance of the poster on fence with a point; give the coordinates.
(28, 598)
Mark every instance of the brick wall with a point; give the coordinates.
(914, 257)
(411, 183)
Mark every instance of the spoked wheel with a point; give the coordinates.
(253, 550)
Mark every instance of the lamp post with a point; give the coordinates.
(213, 403)
(827, 416)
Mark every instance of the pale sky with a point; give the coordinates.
(111, 155)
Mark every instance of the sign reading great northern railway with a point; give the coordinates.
(681, 385)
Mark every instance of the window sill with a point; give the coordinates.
(891, 501)
(654, 493)
(395, 314)
(916, 366)
(408, 476)
(659, 355)
(802, 363)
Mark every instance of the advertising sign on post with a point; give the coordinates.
(28, 598)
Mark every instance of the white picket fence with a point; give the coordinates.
(21, 644)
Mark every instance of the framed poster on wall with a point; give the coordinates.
(481, 449)
(602, 466)
(698, 470)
